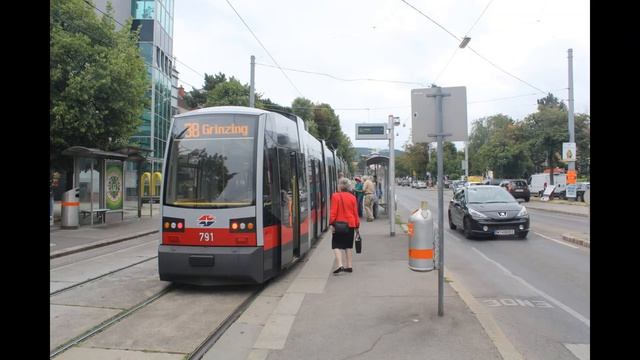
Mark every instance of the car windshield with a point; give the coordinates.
(489, 194)
(520, 183)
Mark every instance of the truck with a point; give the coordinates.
(536, 183)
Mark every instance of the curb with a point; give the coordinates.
(558, 211)
(79, 248)
(577, 240)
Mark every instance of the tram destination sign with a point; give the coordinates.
(377, 131)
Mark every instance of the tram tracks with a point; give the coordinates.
(109, 322)
(56, 292)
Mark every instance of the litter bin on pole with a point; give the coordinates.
(70, 208)
(421, 239)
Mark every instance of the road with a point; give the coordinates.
(537, 289)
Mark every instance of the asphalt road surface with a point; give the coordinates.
(537, 289)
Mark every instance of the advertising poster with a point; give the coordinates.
(114, 186)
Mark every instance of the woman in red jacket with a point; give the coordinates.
(343, 208)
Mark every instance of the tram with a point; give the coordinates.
(246, 192)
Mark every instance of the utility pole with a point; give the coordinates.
(440, 158)
(392, 174)
(252, 95)
(466, 159)
(572, 137)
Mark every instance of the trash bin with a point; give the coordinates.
(421, 239)
(70, 208)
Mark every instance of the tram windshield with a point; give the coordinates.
(211, 162)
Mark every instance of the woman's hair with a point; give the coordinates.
(344, 184)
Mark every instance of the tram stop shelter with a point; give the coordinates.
(378, 167)
(99, 176)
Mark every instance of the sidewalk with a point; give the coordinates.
(64, 242)
(382, 310)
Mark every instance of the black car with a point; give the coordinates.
(518, 188)
(488, 210)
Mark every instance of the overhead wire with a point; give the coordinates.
(474, 51)
(343, 79)
(264, 48)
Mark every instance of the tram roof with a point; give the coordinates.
(224, 110)
(378, 159)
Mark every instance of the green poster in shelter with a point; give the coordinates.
(114, 186)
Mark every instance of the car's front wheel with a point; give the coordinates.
(526, 199)
(452, 226)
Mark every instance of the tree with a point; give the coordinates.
(583, 144)
(546, 130)
(98, 79)
(304, 108)
(229, 93)
(551, 102)
(198, 98)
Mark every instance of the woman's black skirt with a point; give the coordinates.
(343, 241)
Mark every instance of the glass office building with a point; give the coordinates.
(154, 18)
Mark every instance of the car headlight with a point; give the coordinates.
(477, 214)
(523, 212)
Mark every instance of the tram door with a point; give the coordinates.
(288, 196)
(315, 204)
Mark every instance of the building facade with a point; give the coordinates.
(154, 19)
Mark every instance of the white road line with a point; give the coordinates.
(558, 241)
(564, 307)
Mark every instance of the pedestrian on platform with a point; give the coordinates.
(359, 194)
(369, 191)
(343, 209)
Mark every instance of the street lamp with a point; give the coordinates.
(464, 42)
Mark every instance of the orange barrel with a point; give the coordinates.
(421, 240)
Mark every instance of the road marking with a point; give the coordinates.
(558, 241)
(517, 302)
(542, 293)
(581, 351)
(499, 339)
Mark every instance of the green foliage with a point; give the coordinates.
(198, 98)
(98, 79)
(228, 93)
(516, 149)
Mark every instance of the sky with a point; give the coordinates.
(389, 40)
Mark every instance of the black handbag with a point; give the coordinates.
(358, 242)
(341, 227)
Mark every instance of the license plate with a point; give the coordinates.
(519, 190)
(505, 232)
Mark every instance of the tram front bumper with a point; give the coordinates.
(200, 265)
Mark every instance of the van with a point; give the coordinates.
(536, 183)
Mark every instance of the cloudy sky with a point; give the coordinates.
(389, 40)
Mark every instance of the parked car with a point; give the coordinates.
(421, 184)
(518, 188)
(487, 210)
(456, 185)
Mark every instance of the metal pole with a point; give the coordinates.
(252, 95)
(440, 157)
(392, 177)
(572, 138)
(466, 159)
